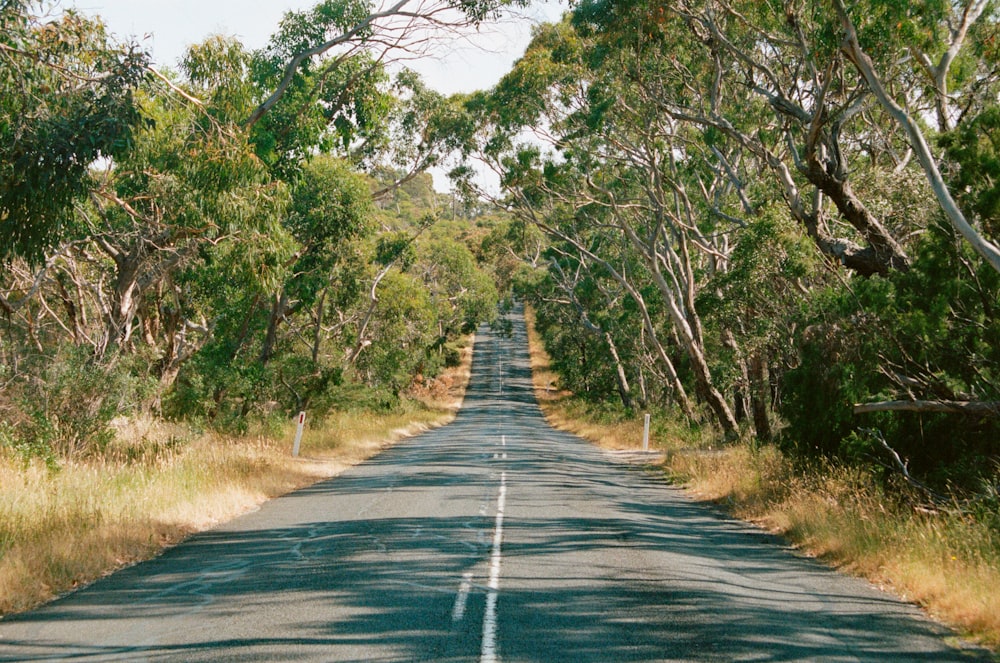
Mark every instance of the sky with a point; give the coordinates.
(167, 27)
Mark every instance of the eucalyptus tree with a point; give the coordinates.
(148, 192)
(512, 246)
(321, 87)
(783, 87)
(332, 103)
(68, 102)
(323, 66)
(616, 266)
(622, 172)
(211, 232)
(331, 206)
(771, 80)
(461, 292)
(577, 287)
(679, 154)
(159, 209)
(186, 187)
(954, 21)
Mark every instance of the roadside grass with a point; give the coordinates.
(160, 482)
(943, 560)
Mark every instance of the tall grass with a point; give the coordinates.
(944, 560)
(158, 482)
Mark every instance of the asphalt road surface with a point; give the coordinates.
(492, 539)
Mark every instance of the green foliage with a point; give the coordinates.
(974, 147)
(27, 448)
(227, 272)
(66, 409)
(405, 205)
(719, 193)
(763, 288)
(817, 395)
(580, 358)
(221, 271)
(928, 334)
(68, 101)
(352, 396)
(331, 205)
(507, 247)
(883, 26)
(462, 293)
(400, 333)
(331, 103)
(395, 248)
(218, 70)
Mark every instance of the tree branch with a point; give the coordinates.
(971, 408)
(863, 63)
(293, 65)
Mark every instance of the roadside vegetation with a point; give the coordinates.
(157, 482)
(191, 256)
(772, 225)
(945, 559)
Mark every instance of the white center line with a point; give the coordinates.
(489, 650)
(458, 612)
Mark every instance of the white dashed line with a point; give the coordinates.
(489, 650)
(458, 612)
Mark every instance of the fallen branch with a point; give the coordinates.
(974, 408)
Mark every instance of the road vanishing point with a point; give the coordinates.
(495, 538)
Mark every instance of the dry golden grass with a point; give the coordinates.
(159, 483)
(545, 380)
(945, 562)
(563, 412)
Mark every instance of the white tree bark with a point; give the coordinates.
(865, 67)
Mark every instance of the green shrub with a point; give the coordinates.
(65, 409)
(930, 333)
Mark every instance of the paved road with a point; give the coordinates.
(494, 538)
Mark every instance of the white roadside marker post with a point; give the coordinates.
(645, 434)
(298, 434)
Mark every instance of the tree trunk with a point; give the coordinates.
(624, 390)
(71, 310)
(363, 340)
(680, 394)
(741, 395)
(318, 329)
(760, 390)
(279, 308)
(125, 303)
(888, 254)
(852, 48)
(643, 392)
(691, 345)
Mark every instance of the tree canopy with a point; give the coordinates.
(187, 256)
(746, 205)
(776, 220)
